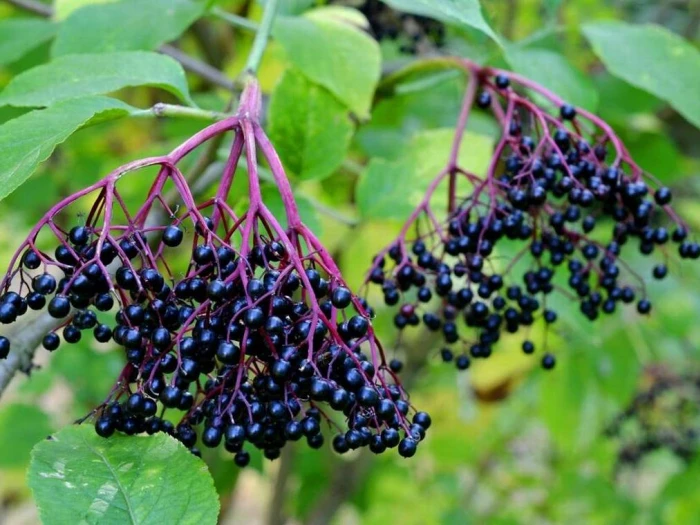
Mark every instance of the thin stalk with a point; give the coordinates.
(261, 37)
(234, 20)
(174, 110)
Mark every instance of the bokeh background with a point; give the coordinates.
(611, 435)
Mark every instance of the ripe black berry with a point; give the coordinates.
(341, 297)
(51, 341)
(407, 447)
(548, 361)
(567, 112)
(4, 347)
(172, 236)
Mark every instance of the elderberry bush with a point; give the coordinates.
(253, 340)
(558, 209)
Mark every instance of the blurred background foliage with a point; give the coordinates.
(610, 436)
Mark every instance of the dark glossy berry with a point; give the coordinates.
(211, 437)
(548, 361)
(502, 81)
(483, 101)
(228, 353)
(104, 427)
(644, 306)
(172, 236)
(135, 404)
(358, 326)
(341, 297)
(4, 347)
(422, 419)
(340, 445)
(44, 284)
(662, 196)
(242, 458)
(71, 334)
(51, 341)
(31, 260)
(59, 306)
(462, 362)
(407, 447)
(660, 271)
(567, 112)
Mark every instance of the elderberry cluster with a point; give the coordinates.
(559, 206)
(415, 33)
(254, 340)
(663, 415)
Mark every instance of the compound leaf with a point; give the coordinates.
(79, 477)
(653, 59)
(28, 140)
(125, 25)
(74, 76)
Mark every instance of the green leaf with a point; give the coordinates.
(679, 502)
(74, 76)
(79, 477)
(380, 186)
(292, 7)
(126, 25)
(657, 154)
(567, 397)
(63, 8)
(391, 189)
(651, 58)
(556, 74)
(616, 365)
(21, 427)
(395, 120)
(27, 141)
(20, 35)
(461, 13)
(309, 127)
(337, 55)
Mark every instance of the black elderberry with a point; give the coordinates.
(8, 313)
(502, 81)
(104, 427)
(71, 334)
(358, 326)
(254, 318)
(644, 306)
(662, 196)
(548, 361)
(79, 235)
(528, 347)
(170, 396)
(483, 101)
(407, 447)
(390, 437)
(241, 458)
(660, 271)
(4, 347)
(396, 365)
(211, 437)
(31, 260)
(172, 236)
(422, 419)
(567, 112)
(51, 341)
(341, 297)
(462, 362)
(136, 403)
